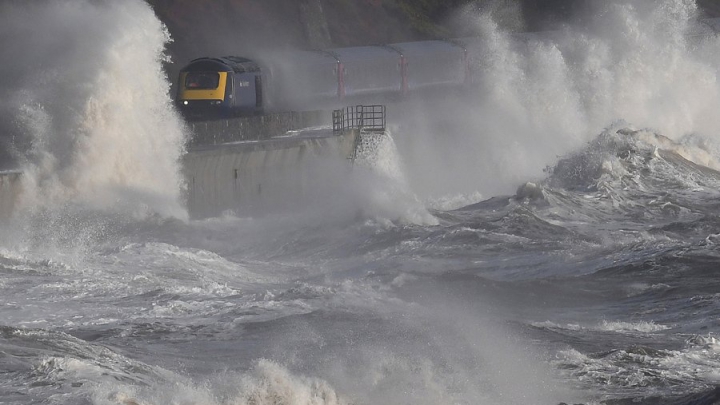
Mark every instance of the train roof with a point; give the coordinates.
(226, 63)
(360, 52)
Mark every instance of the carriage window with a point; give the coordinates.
(202, 80)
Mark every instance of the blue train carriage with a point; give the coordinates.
(220, 88)
(303, 80)
(433, 65)
(370, 73)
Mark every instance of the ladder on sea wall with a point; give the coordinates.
(368, 120)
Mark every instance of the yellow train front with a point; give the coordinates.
(211, 88)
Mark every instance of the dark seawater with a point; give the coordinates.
(596, 284)
(525, 246)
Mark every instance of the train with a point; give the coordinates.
(230, 86)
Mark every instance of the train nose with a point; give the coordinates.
(200, 103)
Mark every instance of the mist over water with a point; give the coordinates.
(86, 107)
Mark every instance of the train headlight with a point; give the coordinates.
(185, 102)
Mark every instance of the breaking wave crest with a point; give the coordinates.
(86, 105)
(633, 172)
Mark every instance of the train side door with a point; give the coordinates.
(229, 89)
(258, 92)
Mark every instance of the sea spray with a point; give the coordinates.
(544, 95)
(267, 383)
(382, 184)
(87, 104)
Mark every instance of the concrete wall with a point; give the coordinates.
(257, 177)
(254, 127)
(10, 189)
(245, 177)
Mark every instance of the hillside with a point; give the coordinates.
(242, 27)
(212, 27)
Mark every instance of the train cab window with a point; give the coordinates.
(202, 80)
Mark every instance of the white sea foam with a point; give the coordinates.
(553, 325)
(384, 192)
(451, 202)
(607, 326)
(640, 370)
(642, 326)
(268, 383)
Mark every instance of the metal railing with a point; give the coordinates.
(369, 118)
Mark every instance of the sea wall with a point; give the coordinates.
(243, 177)
(257, 177)
(254, 127)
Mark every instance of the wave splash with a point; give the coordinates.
(652, 64)
(87, 109)
(268, 383)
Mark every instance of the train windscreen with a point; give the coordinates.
(202, 80)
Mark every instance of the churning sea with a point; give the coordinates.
(551, 239)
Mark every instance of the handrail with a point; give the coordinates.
(368, 118)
